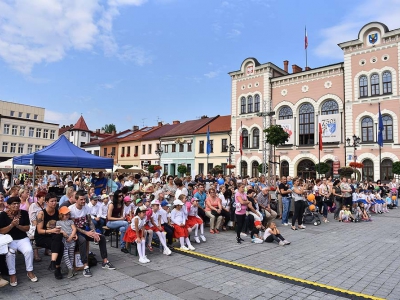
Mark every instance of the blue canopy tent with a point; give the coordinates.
(64, 155)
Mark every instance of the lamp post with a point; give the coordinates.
(159, 152)
(356, 142)
(230, 148)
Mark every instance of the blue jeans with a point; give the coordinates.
(99, 224)
(286, 209)
(122, 225)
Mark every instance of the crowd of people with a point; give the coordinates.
(168, 209)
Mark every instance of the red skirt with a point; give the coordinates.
(154, 228)
(192, 221)
(130, 235)
(180, 231)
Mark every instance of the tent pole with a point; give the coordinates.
(33, 182)
(12, 174)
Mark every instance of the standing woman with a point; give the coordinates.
(15, 222)
(337, 196)
(325, 193)
(7, 183)
(240, 210)
(116, 217)
(48, 236)
(299, 204)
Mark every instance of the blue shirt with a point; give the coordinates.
(202, 198)
(102, 182)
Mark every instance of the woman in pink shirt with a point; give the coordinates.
(240, 211)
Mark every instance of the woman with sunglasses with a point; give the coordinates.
(116, 219)
(15, 222)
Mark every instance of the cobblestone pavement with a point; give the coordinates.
(358, 257)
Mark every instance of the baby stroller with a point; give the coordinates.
(310, 216)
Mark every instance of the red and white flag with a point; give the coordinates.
(305, 39)
(241, 139)
(320, 136)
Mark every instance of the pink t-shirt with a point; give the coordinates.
(243, 209)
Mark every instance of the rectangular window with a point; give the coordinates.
(128, 151)
(122, 151)
(223, 166)
(14, 130)
(105, 152)
(189, 147)
(189, 169)
(20, 115)
(181, 147)
(28, 115)
(37, 148)
(165, 148)
(96, 152)
(212, 146)
(209, 167)
(13, 147)
(150, 148)
(22, 130)
(201, 168)
(113, 151)
(6, 129)
(173, 148)
(201, 147)
(165, 167)
(30, 148)
(35, 117)
(38, 132)
(31, 131)
(12, 113)
(4, 149)
(89, 151)
(21, 148)
(143, 149)
(136, 150)
(45, 133)
(224, 145)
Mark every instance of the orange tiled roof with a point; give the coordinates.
(220, 124)
(81, 125)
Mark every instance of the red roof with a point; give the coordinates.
(81, 125)
(220, 124)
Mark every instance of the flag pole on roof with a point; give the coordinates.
(306, 43)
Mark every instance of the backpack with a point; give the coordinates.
(92, 261)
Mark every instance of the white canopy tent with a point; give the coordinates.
(8, 164)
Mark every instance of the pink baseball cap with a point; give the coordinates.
(127, 199)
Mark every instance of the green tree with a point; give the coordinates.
(109, 128)
(275, 136)
(216, 170)
(346, 171)
(151, 169)
(260, 168)
(322, 168)
(182, 169)
(396, 168)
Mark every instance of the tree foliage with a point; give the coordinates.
(260, 168)
(150, 168)
(109, 128)
(322, 168)
(182, 169)
(216, 170)
(346, 171)
(396, 168)
(275, 135)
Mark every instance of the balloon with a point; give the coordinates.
(311, 207)
(311, 197)
(221, 181)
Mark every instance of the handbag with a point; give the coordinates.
(215, 213)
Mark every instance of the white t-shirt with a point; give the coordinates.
(128, 183)
(79, 215)
(103, 210)
(164, 216)
(94, 209)
(127, 209)
(181, 191)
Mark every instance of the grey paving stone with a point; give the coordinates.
(176, 286)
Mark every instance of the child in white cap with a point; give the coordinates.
(181, 231)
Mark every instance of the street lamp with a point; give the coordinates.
(356, 142)
(230, 148)
(159, 152)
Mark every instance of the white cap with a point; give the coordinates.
(178, 202)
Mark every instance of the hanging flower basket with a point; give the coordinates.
(135, 154)
(156, 168)
(230, 166)
(122, 155)
(128, 155)
(357, 165)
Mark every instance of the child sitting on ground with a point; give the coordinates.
(345, 215)
(272, 234)
(363, 212)
(68, 230)
(255, 237)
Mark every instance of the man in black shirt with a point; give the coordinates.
(285, 191)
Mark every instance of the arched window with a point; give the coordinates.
(284, 168)
(243, 105)
(306, 169)
(387, 170)
(256, 103)
(254, 169)
(285, 113)
(243, 168)
(256, 138)
(387, 128)
(374, 84)
(363, 86)
(368, 170)
(387, 82)
(245, 135)
(367, 130)
(329, 107)
(249, 104)
(306, 124)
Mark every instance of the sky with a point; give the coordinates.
(137, 62)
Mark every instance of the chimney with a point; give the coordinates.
(160, 123)
(176, 122)
(307, 69)
(135, 128)
(97, 130)
(286, 66)
(113, 132)
(296, 69)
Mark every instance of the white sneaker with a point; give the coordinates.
(167, 251)
(285, 224)
(281, 243)
(203, 238)
(147, 260)
(190, 247)
(257, 241)
(142, 260)
(243, 234)
(184, 248)
(286, 242)
(196, 238)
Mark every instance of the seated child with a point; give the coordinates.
(345, 215)
(127, 212)
(380, 204)
(157, 228)
(136, 233)
(95, 207)
(255, 238)
(194, 221)
(389, 201)
(363, 212)
(68, 230)
(272, 234)
(166, 221)
(181, 230)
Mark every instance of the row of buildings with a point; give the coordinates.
(342, 97)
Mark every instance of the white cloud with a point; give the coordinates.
(353, 21)
(61, 118)
(135, 54)
(212, 74)
(110, 85)
(43, 31)
(234, 33)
